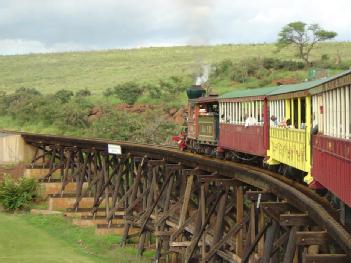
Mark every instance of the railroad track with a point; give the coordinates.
(200, 208)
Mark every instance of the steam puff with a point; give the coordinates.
(203, 78)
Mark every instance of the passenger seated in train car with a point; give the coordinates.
(274, 121)
(250, 120)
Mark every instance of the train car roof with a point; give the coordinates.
(289, 90)
(207, 99)
(307, 85)
(243, 93)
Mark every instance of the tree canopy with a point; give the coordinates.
(304, 37)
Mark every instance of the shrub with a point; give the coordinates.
(74, 115)
(108, 92)
(64, 95)
(117, 125)
(18, 195)
(129, 92)
(83, 93)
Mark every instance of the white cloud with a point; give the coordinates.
(59, 25)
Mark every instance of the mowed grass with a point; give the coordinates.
(26, 238)
(100, 70)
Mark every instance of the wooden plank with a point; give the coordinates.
(190, 250)
(311, 238)
(232, 232)
(152, 207)
(274, 209)
(294, 220)
(186, 199)
(160, 233)
(218, 228)
(261, 224)
(255, 240)
(196, 171)
(173, 167)
(269, 240)
(217, 179)
(280, 242)
(203, 217)
(239, 218)
(291, 246)
(180, 244)
(156, 162)
(326, 258)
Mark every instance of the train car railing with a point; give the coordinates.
(288, 146)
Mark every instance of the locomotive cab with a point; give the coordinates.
(203, 124)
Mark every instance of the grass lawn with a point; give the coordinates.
(26, 238)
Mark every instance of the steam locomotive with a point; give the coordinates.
(302, 129)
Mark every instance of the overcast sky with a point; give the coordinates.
(31, 26)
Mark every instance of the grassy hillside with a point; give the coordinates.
(154, 78)
(98, 71)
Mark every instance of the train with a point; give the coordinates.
(300, 130)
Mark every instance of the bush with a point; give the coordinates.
(167, 88)
(129, 92)
(74, 115)
(18, 195)
(117, 125)
(83, 93)
(64, 95)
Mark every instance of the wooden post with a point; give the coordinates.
(260, 246)
(269, 241)
(291, 246)
(186, 199)
(239, 218)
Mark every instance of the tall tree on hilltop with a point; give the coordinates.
(304, 37)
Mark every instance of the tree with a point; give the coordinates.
(128, 92)
(304, 37)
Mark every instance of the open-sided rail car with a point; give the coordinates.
(244, 122)
(331, 145)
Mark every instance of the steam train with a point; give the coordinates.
(301, 129)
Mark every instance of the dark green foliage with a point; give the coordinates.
(64, 95)
(83, 93)
(117, 125)
(18, 195)
(253, 69)
(150, 127)
(128, 92)
(108, 92)
(73, 115)
(167, 88)
(223, 67)
(304, 37)
(277, 64)
(21, 104)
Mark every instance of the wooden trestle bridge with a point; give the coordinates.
(196, 208)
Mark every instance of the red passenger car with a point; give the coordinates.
(331, 144)
(244, 122)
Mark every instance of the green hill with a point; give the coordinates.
(100, 70)
(154, 78)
